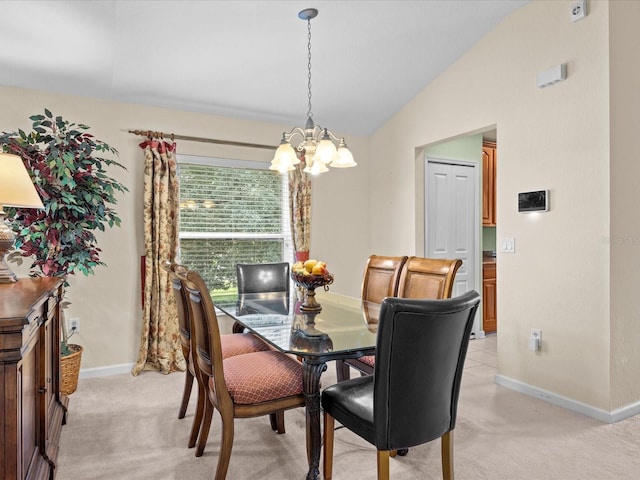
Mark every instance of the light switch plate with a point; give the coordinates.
(508, 245)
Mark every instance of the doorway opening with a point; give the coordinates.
(454, 204)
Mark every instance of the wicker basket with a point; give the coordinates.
(70, 369)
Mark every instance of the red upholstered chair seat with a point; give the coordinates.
(262, 376)
(240, 343)
(368, 360)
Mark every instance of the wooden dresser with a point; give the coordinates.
(32, 410)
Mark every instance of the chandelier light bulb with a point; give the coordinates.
(316, 168)
(344, 158)
(325, 151)
(285, 158)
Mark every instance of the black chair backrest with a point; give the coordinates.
(263, 288)
(262, 277)
(420, 352)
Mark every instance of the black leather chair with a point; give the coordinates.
(263, 277)
(262, 288)
(399, 407)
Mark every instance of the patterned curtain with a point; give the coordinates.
(160, 347)
(300, 210)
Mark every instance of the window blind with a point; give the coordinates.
(229, 215)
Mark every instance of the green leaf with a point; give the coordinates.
(60, 238)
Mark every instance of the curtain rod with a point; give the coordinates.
(173, 136)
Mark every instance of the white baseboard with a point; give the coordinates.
(573, 405)
(106, 371)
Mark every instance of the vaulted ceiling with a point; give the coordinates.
(244, 58)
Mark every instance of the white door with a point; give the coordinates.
(451, 223)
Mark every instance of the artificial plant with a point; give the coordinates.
(68, 169)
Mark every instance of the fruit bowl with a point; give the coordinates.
(310, 282)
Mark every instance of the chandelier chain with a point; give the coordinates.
(309, 114)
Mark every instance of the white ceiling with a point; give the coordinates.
(244, 58)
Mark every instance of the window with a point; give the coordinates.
(231, 212)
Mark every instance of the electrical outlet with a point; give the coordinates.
(74, 325)
(535, 340)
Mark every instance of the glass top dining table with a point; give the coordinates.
(343, 328)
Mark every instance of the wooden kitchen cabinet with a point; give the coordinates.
(489, 161)
(32, 410)
(489, 303)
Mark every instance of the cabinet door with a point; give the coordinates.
(489, 303)
(46, 387)
(488, 186)
(29, 426)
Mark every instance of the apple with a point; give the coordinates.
(319, 269)
(309, 264)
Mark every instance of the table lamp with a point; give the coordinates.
(16, 190)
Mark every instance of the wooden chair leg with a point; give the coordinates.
(277, 421)
(197, 419)
(186, 393)
(204, 429)
(343, 371)
(226, 444)
(383, 464)
(447, 456)
(327, 450)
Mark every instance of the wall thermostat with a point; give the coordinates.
(537, 201)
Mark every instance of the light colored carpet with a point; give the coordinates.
(125, 427)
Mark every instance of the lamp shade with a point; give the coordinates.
(285, 158)
(16, 187)
(325, 151)
(344, 158)
(316, 168)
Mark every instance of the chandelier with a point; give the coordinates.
(318, 144)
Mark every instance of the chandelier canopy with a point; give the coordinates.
(318, 144)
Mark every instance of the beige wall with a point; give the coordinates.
(558, 280)
(624, 69)
(108, 303)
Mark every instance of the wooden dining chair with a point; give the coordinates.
(399, 407)
(427, 278)
(380, 280)
(242, 386)
(431, 278)
(231, 345)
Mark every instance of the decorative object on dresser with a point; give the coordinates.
(16, 190)
(32, 408)
(66, 166)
